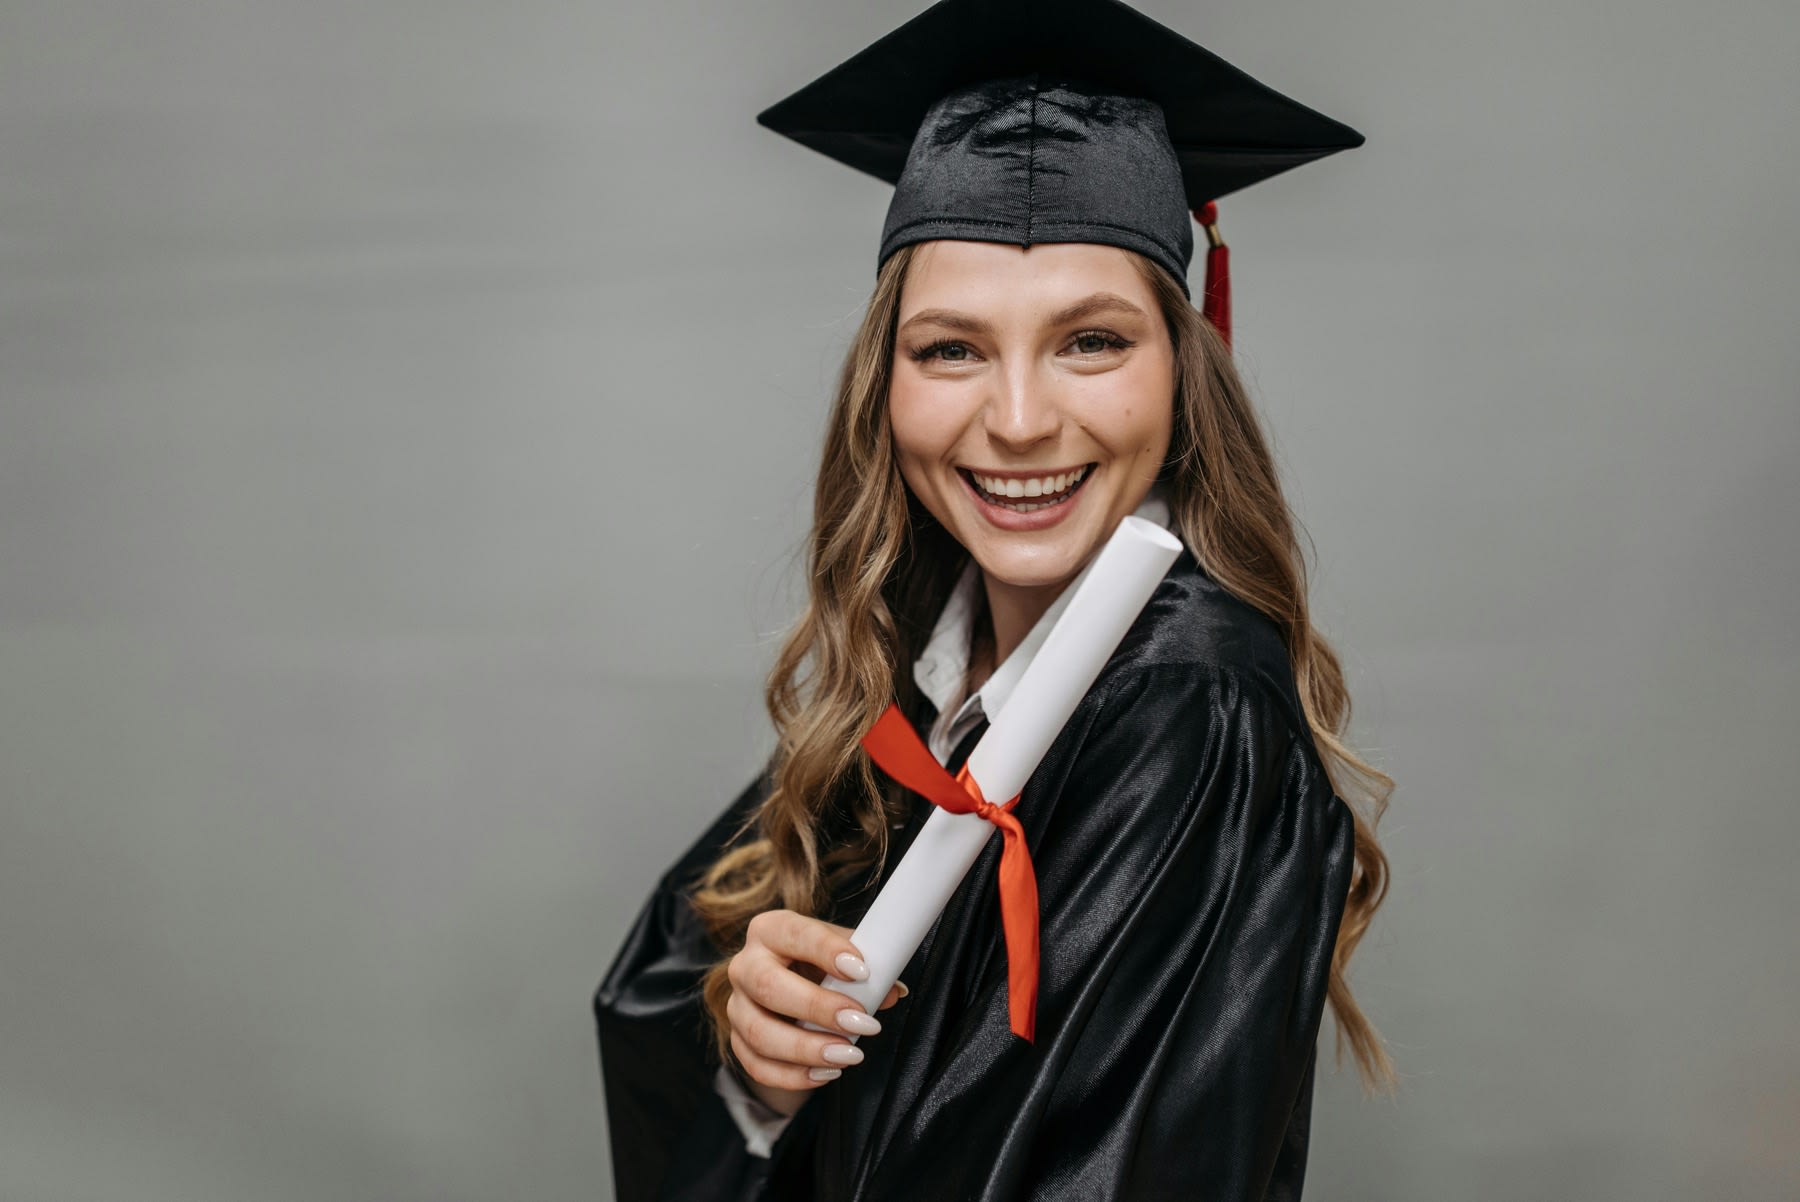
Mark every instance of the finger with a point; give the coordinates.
(822, 944)
(898, 991)
(847, 965)
(775, 1039)
(765, 980)
(770, 1072)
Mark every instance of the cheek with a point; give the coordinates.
(1156, 414)
(1160, 431)
(923, 431)
(908, 450)
(1134, 416)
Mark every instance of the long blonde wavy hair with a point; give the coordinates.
(880, 569)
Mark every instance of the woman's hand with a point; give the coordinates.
(774, 981)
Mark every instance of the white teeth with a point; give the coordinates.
(1042, 486)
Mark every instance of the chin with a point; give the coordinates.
(1022, 568)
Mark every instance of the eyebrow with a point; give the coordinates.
(1099, 302)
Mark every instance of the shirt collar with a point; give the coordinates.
(943, 667)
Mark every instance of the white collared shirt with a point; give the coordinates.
(942, 673)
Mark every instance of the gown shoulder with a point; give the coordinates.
(1193, 621)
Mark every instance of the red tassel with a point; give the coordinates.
(1216, 302)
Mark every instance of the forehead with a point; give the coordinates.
(1004, 281)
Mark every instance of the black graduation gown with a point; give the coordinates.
(1192, 863)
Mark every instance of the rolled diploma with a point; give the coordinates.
(1101, 605)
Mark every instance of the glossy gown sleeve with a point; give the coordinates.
(672, 1138)
(1192, 864)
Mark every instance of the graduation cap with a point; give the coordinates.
(1055, 121)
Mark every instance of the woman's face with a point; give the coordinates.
(1032, 399)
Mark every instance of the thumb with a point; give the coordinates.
(893, 995)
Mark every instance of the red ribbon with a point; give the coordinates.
(896, 747)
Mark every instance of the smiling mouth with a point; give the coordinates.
(1027, 495)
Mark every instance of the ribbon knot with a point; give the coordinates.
(897, 749)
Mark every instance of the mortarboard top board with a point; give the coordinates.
(1020, 121)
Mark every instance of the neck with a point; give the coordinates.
(1014, 609)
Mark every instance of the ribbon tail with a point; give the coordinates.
(898, 751)
(1019, 920)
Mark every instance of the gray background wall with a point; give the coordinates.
(406, 413)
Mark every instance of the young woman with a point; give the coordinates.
(1029, 371)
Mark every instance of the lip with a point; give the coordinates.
(1039, 519)
(1033, 474)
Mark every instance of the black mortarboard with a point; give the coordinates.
(1051, 121)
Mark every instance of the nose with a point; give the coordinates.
(1022, 411)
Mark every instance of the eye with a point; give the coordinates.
(1094, 342)
(947, 349)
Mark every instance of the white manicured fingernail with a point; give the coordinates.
(842, 1053)
(858, 1023)
(852, 967)
(824, 1074)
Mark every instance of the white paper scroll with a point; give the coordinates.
(1100, 607)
